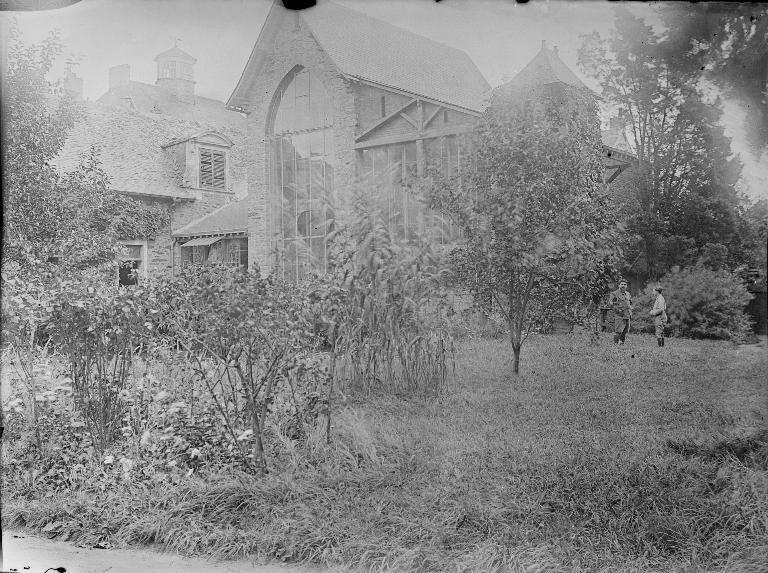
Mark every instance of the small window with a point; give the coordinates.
(168, 70)
(130, 265)
(212, 169)
(199, 255)
(185, 71)
(237, 253)
(383, 106)
(445, 116)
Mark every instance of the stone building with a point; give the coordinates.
(165, 145)
(333, 97)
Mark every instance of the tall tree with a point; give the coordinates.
(539, 237)
(686, 174)
(74, 216)
(728, 43)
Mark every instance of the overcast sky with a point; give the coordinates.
(501, 36)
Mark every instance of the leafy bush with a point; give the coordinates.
(251, 345)
(701, 303)
(386, 306)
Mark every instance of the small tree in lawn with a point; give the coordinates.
(539, 240)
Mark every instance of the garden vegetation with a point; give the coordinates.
(355, 418)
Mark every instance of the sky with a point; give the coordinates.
(501, 36)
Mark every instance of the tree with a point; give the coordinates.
(686, 174)
(73, 217)
(728, 43)
(540, 239)
(60, 232)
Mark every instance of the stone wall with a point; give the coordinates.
(294, 46)
(163, 256)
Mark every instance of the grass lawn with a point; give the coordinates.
(595, 458)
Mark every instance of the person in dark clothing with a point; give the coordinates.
(620, 302)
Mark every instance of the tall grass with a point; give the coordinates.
(595, 458)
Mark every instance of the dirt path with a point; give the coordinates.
(27, 553)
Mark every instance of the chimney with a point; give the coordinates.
(543, 44)
(119, 76)
(554, 49)
(73, 85)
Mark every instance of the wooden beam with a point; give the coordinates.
(461, 109)
(395, 113)
(409, 120)
(619, 170)
(427, 134)
(433, 116)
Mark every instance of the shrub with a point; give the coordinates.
(251, 345)
(387, 305)
(701, 303)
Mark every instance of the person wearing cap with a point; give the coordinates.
(620, 302)
(659, 314)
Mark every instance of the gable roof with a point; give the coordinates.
(230, 218)
(156, 100)
(367, 49)
(546, 68)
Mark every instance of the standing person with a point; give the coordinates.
(621, 303)
(659, 314)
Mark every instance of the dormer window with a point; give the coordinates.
(213, 170)
(204, 159)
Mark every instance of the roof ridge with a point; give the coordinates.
(378, 21)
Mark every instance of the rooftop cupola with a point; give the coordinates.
(176, 74)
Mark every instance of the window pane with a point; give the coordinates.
(132, 252)
(379, 161)
(305, 177)
(395, 153)
(289, 168)
(411, 166)
(318, 254)
(318, 178)
(366, 165)
(302, 84)
(432, 153)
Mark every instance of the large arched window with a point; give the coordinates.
(301, 159)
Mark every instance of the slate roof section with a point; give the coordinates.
(367, 49)
(546, 68)
(154, 99)
(230, 218)
(130, 137)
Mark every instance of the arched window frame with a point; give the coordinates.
(300, 165)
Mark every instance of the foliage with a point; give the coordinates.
(729, 44)
(755, 221)
(565, 473)
(702, 302)
(540, 238)
(384, 306)
(73, 217)
(686, 175)
(98, 332)
(251, 344)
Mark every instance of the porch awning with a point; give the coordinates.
(201, 242)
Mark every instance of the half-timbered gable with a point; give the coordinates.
(335, 99)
